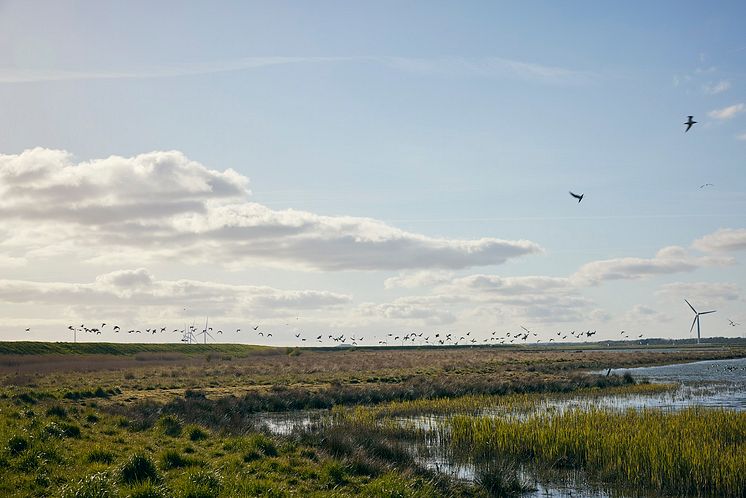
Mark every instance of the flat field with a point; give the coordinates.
(185, 420)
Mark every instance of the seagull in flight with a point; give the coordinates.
(689, 123)
(732, 323)
(707, 185)
(578, 197)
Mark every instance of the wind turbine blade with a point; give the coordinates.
(692, 307)
(705, 312)
(696, 317)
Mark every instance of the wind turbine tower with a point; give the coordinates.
(206, 332)
(696, 319)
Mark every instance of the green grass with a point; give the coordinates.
(694, 451)
(73, 417)
(64, 454)
(122, 349)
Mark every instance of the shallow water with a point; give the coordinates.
(715, 384)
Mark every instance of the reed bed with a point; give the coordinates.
(694, 451)
(509, 403)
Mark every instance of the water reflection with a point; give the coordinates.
(715, 384)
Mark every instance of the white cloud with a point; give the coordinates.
(424, 278)
(11, 262)
(669, 260)
(494, 285)
(413, 309)
(466, 66)
(643, 313)
(723, 240)
(531, 298)
(139, 288)
(715, 88)
(162, 206)
(491, 67)
(727, 112)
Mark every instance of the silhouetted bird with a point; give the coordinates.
(707, 185)
(578, 197)
(689, 123)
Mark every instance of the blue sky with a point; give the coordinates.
(447, 121)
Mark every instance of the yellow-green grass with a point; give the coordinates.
(693, 451)
(510, 403)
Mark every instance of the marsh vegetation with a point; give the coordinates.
(387, 423)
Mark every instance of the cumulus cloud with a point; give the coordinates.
(669, 260)
(161, 205)
(533, 298)
(420, 309)
(140, 288)
(727, 112)
(723, 240)
(494, 285)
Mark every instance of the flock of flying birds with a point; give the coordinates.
(191, 334)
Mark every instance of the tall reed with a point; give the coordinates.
(698, 451)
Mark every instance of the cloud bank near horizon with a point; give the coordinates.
(161, 205)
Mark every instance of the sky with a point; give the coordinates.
(369, 168)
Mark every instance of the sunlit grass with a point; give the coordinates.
(692, 451)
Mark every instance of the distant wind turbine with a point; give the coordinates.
(696, 318)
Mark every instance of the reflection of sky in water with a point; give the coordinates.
(717, 383)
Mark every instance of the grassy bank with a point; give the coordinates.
(125, 349)
(50, 448)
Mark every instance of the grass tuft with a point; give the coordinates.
(138, 468)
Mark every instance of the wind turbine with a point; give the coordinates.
(206, 332)
(696, 318)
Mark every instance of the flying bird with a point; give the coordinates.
(732, 323)
(689, 123)
(707, 185)
(578, 197)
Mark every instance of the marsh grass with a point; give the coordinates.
(694, 451)
(192, 416)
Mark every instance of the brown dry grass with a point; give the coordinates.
(162, 376)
